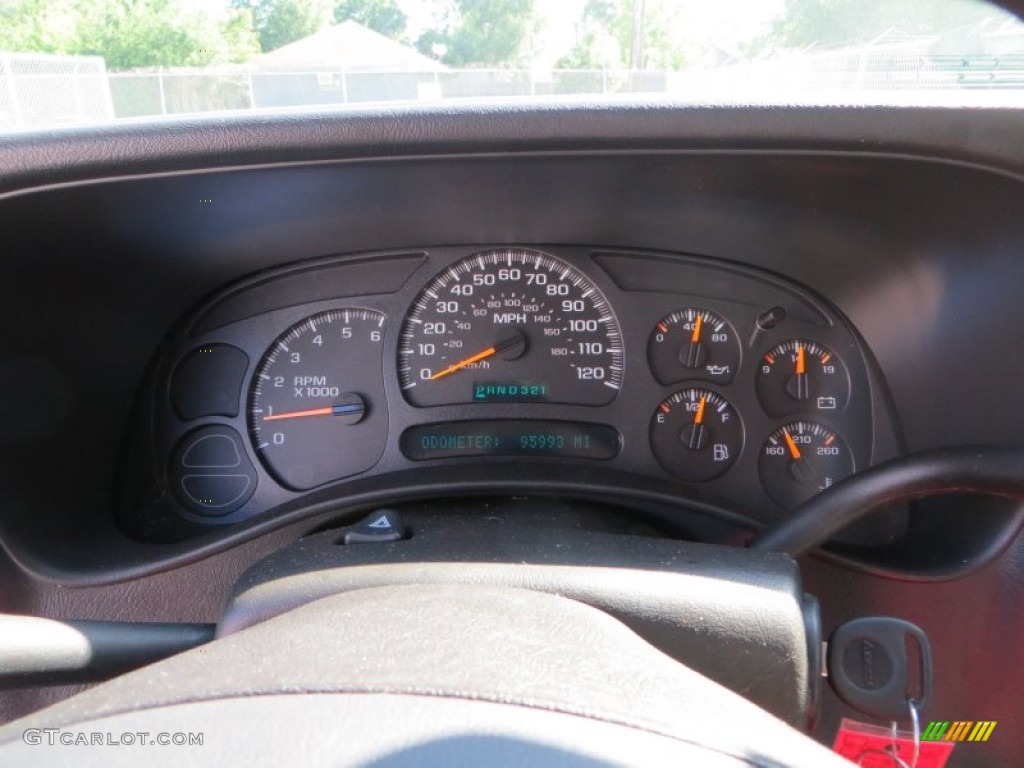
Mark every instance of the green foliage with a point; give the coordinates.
(486, 33)
(605, 36)
(279, 22)
(127, 33)
(384, 16)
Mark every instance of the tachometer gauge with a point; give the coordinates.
(802, 375)
(316, 409)
(693, 344)
(511, 325)
(696, 435)
(802, 459)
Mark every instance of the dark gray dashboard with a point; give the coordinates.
(203, 397)
(906, 221)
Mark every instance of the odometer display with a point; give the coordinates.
(514, 437)
(511, 325)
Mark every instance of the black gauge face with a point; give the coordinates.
(802, 375)
(801, 459)
(696, 435)
(693, 344)
(316, 408)
(511, 325)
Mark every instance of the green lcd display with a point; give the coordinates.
(510, 437)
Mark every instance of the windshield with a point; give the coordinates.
(69, 62)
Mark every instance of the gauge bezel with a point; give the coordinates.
(693, 467)
(781, 404)
(475, 362)
(674, 372)
(365, 440)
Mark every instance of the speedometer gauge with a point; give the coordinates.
(511, 325)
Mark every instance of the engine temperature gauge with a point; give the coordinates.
(693, 344)
(696, 435)
(802, 375)
(801, 459)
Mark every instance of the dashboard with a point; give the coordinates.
(218, 350)
(738, 388)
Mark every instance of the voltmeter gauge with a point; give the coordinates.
(693, 344)
(696, 435)
(801, 375)
(316, 407)
(802, 459)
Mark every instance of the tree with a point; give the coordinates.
(627, 34)
(480, 32)
(279, 22)
(384, 16)
(128, 33)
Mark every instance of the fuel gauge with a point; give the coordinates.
(696, 435)
(802, 459)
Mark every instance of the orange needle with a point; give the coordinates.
(328, 411)
(696, 330)
(793, 450)
(700, 411)
(801, 367)
(468, 361)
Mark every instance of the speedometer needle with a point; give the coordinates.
(510, 348)
(489, 352)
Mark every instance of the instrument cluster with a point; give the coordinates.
(731, 386)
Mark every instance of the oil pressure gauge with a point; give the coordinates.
(802, 375)
(693, 344)
(802, 459)
(696, 435)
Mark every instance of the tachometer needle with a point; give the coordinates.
(801, 365)
(794, 451)
(348, 409)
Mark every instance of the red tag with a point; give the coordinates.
(872, 746)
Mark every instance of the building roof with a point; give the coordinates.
(348, 46)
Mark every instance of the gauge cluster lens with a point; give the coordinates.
(693, 344)
(510, 326)
(696, 435)
(802, 375)
(800, 460)
(316, 409)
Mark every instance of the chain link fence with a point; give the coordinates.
(175, 91)
(883, 68)
(38, 89)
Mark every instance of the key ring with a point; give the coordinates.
(916, 724)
